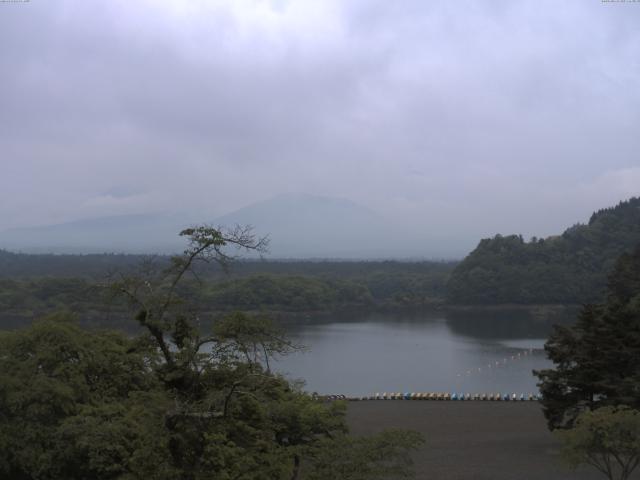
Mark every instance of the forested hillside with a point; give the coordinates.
(569, 268)
(22, 265)
(35, 285)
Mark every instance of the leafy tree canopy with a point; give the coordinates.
(597, 360)
(608, 439)
(569, 268)
(173, 403)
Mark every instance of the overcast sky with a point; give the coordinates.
(470, 117)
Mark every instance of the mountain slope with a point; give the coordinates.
(300, 226)
(570, 268)
(123, 233)
(304, 226)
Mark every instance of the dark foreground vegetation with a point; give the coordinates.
(597, 358)
(172, 402)
(592, 395)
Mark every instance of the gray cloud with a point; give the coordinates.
(462, 118)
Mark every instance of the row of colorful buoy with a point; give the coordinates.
(504, 397)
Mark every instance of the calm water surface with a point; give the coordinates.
(419, 353)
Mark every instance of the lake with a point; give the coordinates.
(365, 354)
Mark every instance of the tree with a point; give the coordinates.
(173, 402)
(75, 404)
(607, 439)
(565, 269)
(597, 360)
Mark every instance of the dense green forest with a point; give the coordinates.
(304, 293)
(97, 266)
(22, 265)
(34, 285)
(569, 268)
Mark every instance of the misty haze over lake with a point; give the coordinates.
(298, 226)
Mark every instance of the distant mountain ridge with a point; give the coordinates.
(569, 268)
(308, 226)
(143, 233)
(299, 226)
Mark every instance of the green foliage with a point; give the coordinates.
(255, 338)
(288, 293)
(20, 265)
(77, 404)
(607, 439)
(597, 360)
(46, 294)
(296, 287)
(170, 403)
(408, 287)
(570, 268)
(97, 266)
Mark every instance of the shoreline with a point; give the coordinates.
(536, 312)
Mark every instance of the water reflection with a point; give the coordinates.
(507, 323)
(419, 352)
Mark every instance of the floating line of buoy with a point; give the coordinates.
(444, 396)
(492, 366)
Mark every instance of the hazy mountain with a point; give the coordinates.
(123, 233)
(298, 225)
(313, 226)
